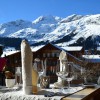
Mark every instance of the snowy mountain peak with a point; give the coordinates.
(47, 19)
(71, 18)
(17, 23)
(65, 31)
(9, 28)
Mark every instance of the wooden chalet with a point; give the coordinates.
(50, 50)
(51, 53)
(14, 58)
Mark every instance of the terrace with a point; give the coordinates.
(48, 60)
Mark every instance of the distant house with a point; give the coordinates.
(98, 50)
(93, 62)
(76, 51)
(14, 58)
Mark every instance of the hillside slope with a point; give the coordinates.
(72, 30)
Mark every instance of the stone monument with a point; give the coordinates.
(26, 57)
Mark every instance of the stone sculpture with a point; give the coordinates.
(26, 56)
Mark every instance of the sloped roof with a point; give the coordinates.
(60, 48)
(92, 58)
(7, 53)
(67, 48)
(98, 48)
(73, 48)
(1, 45)
(34, 49)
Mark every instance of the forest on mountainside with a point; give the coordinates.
(10, 42)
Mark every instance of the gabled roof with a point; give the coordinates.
(34, 49)
(60, 48)
(7, 53)
(67, 48)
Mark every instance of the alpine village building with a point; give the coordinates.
(51, 52)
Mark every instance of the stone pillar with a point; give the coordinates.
(26, 57)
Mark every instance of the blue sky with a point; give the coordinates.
(31, 9)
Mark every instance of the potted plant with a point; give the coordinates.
(9, 75)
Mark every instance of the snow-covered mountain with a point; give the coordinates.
(72, 30)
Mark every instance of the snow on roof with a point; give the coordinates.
(98, 48)
(60, 48)
(92, 58)
(34, 49)
(72, 48)
(7, 53)
(67, 48)
(1, 45)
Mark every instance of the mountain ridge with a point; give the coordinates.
(72, 30)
